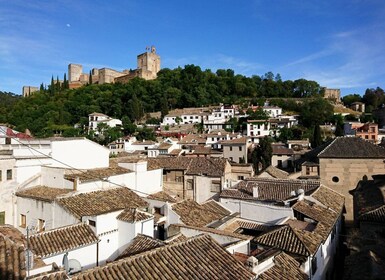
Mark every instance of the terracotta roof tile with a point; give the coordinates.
(176, 239)
(101, 202)
(352, 147)
(162, 196)
(12, 259)
(236, 141)
(197, 258)
(276, 172)
(285, 267)
(284, 238)
(43, 193)
(97, 174)
(62, 239)
(272, 190)
(214, 167)
(193, 214)
(133, 215)
(141, 243)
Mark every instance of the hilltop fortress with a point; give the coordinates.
(148, 65)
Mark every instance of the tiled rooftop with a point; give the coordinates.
(12, 259)
(97, 174)
(101, 202)
(285, 267)
(276, 172)
(304, 238)
(214, 167)
(271, 190)
(352, 147)
(162, 196)
(43, 193)
(193, 214)
(236, 141)
(133, 215)
(62, 239)
(197, 258)
(141, 243)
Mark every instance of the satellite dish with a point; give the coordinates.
(74, 266)
(65, 262)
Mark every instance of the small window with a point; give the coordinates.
(240, 148)
(241, 177)
(1, 175)
(92, 223)
(23, 221)
(41, 225)
(307, 170)
(231, 148)
(215, 187)
(190, 184)
(7, 141)
(335, 179)
(9, 174)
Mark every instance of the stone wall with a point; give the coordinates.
(28, 90)
(74, 72)
(343, 175)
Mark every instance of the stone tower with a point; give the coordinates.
(149, 63)
(74, 72)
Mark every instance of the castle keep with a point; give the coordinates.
(148, 65)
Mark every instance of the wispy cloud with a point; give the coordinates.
(348, 60)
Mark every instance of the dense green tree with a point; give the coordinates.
(351, 98)
(261, 155)
(373, 98)
(317, 137)
(315, 112)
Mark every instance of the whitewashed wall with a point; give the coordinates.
(79, 153)
(87, 256)
(263, 213)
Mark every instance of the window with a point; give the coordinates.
(9, 174)
(1, 175)
(215, 186)
(190, 184)
(307, 170)
(23, 221)
(240, 149)
(7, 141)
(335, 179)
(313, 265)
(231, 148)
(41, 225)
(241, 177)
(92, 223)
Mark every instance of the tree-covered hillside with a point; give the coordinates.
(59, 109)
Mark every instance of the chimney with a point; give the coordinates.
(252, 264)
(76, 182)
(301, 194)
(255, 191)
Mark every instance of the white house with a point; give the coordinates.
(114, 214)
(78, 243)
(95, 119)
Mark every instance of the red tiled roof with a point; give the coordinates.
(197, 258)
(62, 239)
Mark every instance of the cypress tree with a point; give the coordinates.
(317, 138)
(90, 78)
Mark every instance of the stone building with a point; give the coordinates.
(148, 65)
(28, 90)
(333, 94)
(345, 162)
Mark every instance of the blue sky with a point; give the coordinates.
(338, 43)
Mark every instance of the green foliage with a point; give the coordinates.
(339, 123)
(351, 98)
(373, 98)
(174, 88)
(261, 155)
(317, 137)
(315, 112)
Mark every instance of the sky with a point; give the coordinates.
(338, 43)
